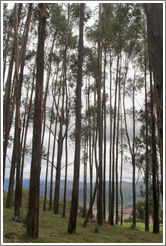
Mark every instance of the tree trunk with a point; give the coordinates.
(147, 153)
(113, 147)
(48, 152)
(7, 109)
(75, 191)
(133, 160)
(154, 14)
(117, 139)
(99, 123)
(26, 132)
(104, 133)
(19, 82)
(32, 220)
(90, 152)
(154, 160)
(85, 178)
(53, 154)
(67, 116)
(121, 172)
(110, 155)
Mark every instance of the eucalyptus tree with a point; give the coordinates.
(154, 14)
(19, 81)
(154, 159)
(32, 220)
(9, 98)
(19, 62)
(75, 191)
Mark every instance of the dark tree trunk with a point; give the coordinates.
(121, 172)
(58, 171)
(75, 191)
(116, 168)
(32, 220)
(113, 148)
(154, 161)
(7, 109)
(104, 133)
(53, 155)
(154, 14)
(26, 132)
(133, 160)
(110, 154)
(48, 153)
(99, 124)
(19, 82)
(67, 114)
(90, 152)
(147, 153)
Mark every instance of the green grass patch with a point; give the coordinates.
(53, 229)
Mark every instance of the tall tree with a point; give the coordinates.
(99, 122)
(113, 146)
(8, 98)
(154, 159)
(154, 14)
(75, 191)
(19, 82)
(117, 140)
(32, 220)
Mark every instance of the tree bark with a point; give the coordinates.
(154, 160)
(75, 191)
(99, 123)
(154, 14)
(32, 220)
(19, 82)
(113, 148)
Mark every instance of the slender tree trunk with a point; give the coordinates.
(104, 132)
(32, 220)
(48, 152)
(26, 132)
(75, 191)
(121, 172)
(58, 170)
(53, 153)
(85, 178)
(110, 155)
(113, 148)
(66, 150)
(67, 117)
(117, 139)
(99, 123)
(17, 119)
(133, 160)
(46, 89)
(154, 161)
(7, 109)
(60, 141)
(147, 154)
(19, 82)
(90, 152)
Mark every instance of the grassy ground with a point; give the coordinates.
(53, 229)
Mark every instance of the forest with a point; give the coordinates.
(83, 102)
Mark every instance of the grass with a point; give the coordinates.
(53, 229)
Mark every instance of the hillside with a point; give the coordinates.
(127, 190)
(53, 229)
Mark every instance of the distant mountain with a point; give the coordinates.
(126, 186)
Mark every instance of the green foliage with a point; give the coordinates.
(140, 211)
